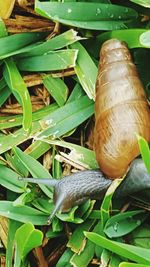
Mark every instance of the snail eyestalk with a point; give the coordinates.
(48, 182)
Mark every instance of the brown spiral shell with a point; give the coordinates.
(121, 110)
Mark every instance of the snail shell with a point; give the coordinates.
(121, 110)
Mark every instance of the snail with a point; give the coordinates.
(121, 112)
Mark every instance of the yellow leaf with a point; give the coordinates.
(6, 7)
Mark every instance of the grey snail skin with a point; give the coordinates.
(74, 189)
(121, 112)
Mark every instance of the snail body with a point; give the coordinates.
(92, 184)
(121, 110)
(75, 189)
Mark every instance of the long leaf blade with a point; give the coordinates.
(136, 254)
(19, 89)
(17, 42)
(131, 36)
(60, 41)
(94, 16)
(22, 214)
(67, 118)
(86, 70)
(55, 60)
(57, 88)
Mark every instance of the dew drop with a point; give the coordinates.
(28, 190)
(112, 16)
(69, 10)
(116, 226)
(98, 11)
(49, 122)
(138, 222)
(119, 17)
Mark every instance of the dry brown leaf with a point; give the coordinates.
(2, 261)
(3, 230)
(28, 24)
(25, 2)
(38, 253)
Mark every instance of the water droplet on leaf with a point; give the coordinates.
(116, 226)
(98, 11)
(69, 10)
(126, 10)
(138, 222)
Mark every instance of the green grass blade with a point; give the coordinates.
(55, 60)
(55, 125)
(77, 241)
(107, 201)
(11, 140)
(43, 204)
(141, 236)
(131, 36)
(79, 154)
(22, 214)
(129, 264)
(136, 254)
(35, 168)
(66, 118)
(12, 227)
(95, 16)
(124, 223)
(37, 149)
(17, 42)
(110, 259)
(71, 216)
(19, 89)
(145, 151)
(55, 43)
(144, 3)
(2, 84)
(145, 39)
(3, 30)
(84, 258)
(26, 238)
(9, 179)
(4, 91)
(64, 260)
(4, 94)
(57, 89)
(86, 70)
(76, 93)
(13, 121)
